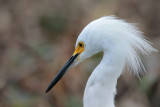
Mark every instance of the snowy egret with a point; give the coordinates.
(121, 43)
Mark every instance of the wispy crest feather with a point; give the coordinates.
(135, 44)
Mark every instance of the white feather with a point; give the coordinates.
(122, 43)
(136, 44)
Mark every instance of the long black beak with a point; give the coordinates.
(62, 71)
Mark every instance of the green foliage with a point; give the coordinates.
(53, 23)
(73, 102)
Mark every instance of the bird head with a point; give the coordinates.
(112, 36)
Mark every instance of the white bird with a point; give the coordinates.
(121, 44)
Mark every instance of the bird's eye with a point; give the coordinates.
(81, 44)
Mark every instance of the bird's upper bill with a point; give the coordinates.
(78, 50)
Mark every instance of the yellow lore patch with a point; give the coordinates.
(79, 49)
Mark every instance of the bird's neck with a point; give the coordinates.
(101, 86)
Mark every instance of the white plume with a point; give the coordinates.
(135, 43)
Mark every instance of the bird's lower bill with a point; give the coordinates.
(63, 70)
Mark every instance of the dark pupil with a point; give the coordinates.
(80, 45)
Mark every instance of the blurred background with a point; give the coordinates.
(37, 37)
